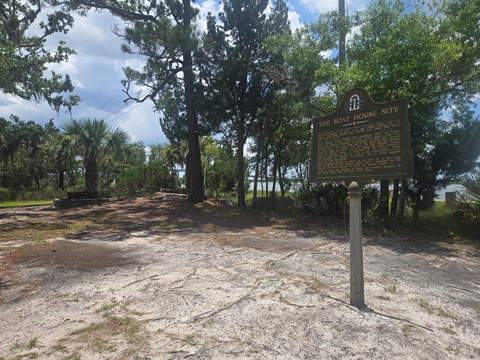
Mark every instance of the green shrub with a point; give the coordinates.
(468, 205)
(370, 201)
(329, 199)
(146, 179)
(28, 195)
(6, 195)
(326, 199)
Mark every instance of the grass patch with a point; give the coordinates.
(107, 308)
(16, 346)
(392, 288)
(407, 329)
(33, 342)
(103, 337)
(74, 356)
(447, 330)
(164, 227)
(441, 311)
(446, 313)
(60, 348)
(86, 330)
(24, 203)
(316, 284)
(190, 340)
(118, 326)
(421, 301)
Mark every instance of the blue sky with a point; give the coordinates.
(96, 71)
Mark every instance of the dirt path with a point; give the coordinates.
(228, 290)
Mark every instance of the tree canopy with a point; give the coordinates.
(24, 57)
(233, 68)
(254, 85)
(162, 32)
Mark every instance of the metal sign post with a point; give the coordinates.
(357, 297)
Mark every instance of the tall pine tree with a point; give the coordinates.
(234, 67)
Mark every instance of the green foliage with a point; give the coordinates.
(325, 199)
(163, 33)
(94, 141)
(22, 165)
(307, 64)
(6, 195)
(146, 179)
(24, 59)
(331, 200)
(370, 203)
(219, 168)
(428, 55)
(232, 67)
(456, 149)
(468, 204)
(438, 219)
(431, 59)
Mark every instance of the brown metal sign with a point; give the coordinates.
(363, 141)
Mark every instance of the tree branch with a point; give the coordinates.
(115, 9)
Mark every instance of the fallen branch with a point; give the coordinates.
(271, 262)
(215, 312)
(137, 281)
(184, 280)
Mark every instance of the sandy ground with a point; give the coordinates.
(236, 292)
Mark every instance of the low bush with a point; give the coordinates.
(331, 200)
(146, 179)
(467, 211)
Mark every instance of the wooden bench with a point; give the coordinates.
(77, 195)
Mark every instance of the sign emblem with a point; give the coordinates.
(354, 102)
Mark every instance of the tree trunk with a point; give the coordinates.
(196, 193)
(266, 175)
(416, 209)
(384, 200)
(240, 165)
(61, 180)
(401, 202)
(274, 173)
(281, 180)
(91, 176)
(273, 194)
(393, 206)
(255, 178)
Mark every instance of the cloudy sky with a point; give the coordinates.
(96, 71)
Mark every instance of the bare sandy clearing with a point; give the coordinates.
(227, 290)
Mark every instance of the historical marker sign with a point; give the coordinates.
(363, 141)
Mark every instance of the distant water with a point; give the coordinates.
(440, 194)
(449, 188)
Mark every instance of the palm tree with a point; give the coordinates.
(468, 204)
(91, 140)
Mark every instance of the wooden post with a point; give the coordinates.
(357, 295)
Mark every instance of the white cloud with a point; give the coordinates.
(92, 35)
(142, 124)
(97, 69)
(318, 6)
(294, 18)
(208, 6)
